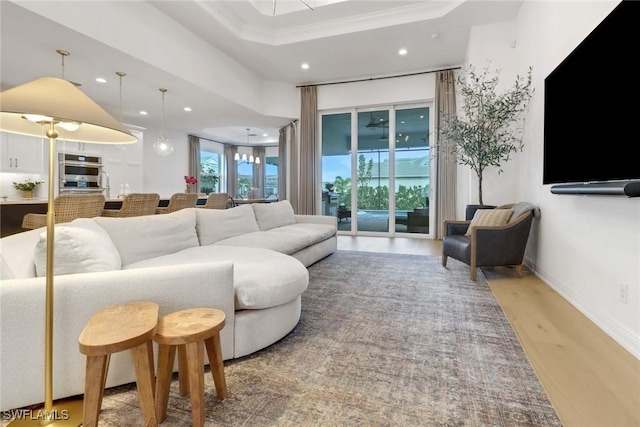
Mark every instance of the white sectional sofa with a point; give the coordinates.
(249, 261)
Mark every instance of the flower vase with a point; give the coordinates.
(188, 189)
(27, 194)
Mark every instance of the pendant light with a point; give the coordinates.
(120, 75)
(162, 146)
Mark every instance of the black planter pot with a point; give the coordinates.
(470, 210)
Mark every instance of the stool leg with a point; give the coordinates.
(195, 364)
(183, 375)
(144, 381)
(166, 356)
(214, 352)
(96, 370)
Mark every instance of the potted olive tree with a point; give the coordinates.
(489, 127)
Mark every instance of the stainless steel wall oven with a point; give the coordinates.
(79, 173)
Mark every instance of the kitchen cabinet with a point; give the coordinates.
(21, 154)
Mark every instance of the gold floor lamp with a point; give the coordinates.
(55, 107)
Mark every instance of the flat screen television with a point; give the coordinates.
(592, 107)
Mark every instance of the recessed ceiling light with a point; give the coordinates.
(402, 51)
(265, 135)
(435, 35)
(143, 113)
(187, 108)
(101, 80)
(304, 66)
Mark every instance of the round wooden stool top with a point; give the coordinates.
(187, 326)
(119, 327)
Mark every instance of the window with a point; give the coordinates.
(211, 167)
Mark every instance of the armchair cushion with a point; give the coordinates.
(489, 217)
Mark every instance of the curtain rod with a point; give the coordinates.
(379, 78)
(207, 139)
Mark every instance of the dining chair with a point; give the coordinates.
(179, 201)
(135, 204)
(68, 207)
(218, 201)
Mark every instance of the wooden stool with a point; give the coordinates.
(189, 331)
(111, 330)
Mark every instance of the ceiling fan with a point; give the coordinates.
(374, 123)
(302, 1)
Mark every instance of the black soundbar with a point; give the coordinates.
(609, 188)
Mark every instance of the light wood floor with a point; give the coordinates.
(589, 378)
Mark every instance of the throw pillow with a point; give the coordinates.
(81, 246)
(489, 217)
(275, 214)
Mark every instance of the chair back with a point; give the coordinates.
(68, 207)
(138, 204)
(217, 201)
(180, 201)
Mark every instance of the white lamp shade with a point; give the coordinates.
(61, 101)
(257, 160)
(244, 157)
(251, 158)
(236, 157)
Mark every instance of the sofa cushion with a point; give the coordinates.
(489, 217)
(142, 237)
(314, 232)
(81, 246)
(261, 278)
(213, 225)
(275, 214)
(285, 243)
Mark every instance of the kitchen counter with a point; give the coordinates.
(13, 210)
(21, 201)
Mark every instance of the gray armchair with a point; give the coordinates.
(488, 246)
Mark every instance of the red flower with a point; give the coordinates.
(190, 179)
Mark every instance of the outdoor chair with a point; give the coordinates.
(67, 207)
(179, 201)
(494, 237)
(135, 204)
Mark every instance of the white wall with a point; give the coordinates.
(376, 92)
(583, 246)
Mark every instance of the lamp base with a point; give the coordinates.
(63, 414)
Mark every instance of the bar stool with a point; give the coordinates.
(111, 330)
(189, 331)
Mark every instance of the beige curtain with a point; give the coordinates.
(306, 203)
(194, 159)
(446, 164)
(294, 173)
(258, 171)
(282, 162)
(232, 169)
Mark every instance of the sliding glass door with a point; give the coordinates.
(336, 168)
(376, 168)
(372, 172)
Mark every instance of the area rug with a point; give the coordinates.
(383, 340)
